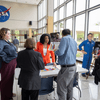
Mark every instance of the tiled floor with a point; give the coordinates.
(89, 90)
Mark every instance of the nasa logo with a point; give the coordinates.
(4, 13)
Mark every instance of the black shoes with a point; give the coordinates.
(89, 74)
(84, 75)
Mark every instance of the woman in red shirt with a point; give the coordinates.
(43, 48)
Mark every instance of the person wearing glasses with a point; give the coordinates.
(88, 49)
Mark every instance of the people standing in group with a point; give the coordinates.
(87, 51)
(30, 62)
(16, 43)
(66, 58)
(8, 57)
(43, 48)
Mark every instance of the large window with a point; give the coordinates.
(61, 27)
(44, 22)
(40, 24)
(44, 30)
(94, 2)
(55, 16)
(69, 24)
(80, 16)
(61, 14)
(80, 21)
(40, 31)
(42, 9)
(80, 5)
(55, 3)
(94, 23)
(55, 28)
(61, 1)
(69, 8)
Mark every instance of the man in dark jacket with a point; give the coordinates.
(31, 63)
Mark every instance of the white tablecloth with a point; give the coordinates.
(52, 72)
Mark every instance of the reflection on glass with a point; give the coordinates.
(61, 1)
(69, 24)
(61, 14)
(94, 23)
(55, 16)
(55, 3)
(80, 5)
(80, 28)
(69, 6)
(55, 28)
(61, 27)
(94, 2)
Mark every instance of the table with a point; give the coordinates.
(51, 73)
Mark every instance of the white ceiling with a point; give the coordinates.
(32, 2)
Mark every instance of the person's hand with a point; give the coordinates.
(54, 50)
(95, 56)
(84, 52)
(54, 64)
(93, 52)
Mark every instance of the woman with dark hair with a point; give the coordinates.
(43, 47)
(30, 62)
(8, 57)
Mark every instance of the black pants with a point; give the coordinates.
(32, 94)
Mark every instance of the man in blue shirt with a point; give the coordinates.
(66, 58)
(16, 43)
(88, 49)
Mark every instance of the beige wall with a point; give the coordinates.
(20, 15)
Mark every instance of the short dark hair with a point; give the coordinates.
(89, 34)
(66, 32)
(15, 36)
(42, 38)
(30, 43)
(3, 32)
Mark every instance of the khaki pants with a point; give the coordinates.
(16, 45)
